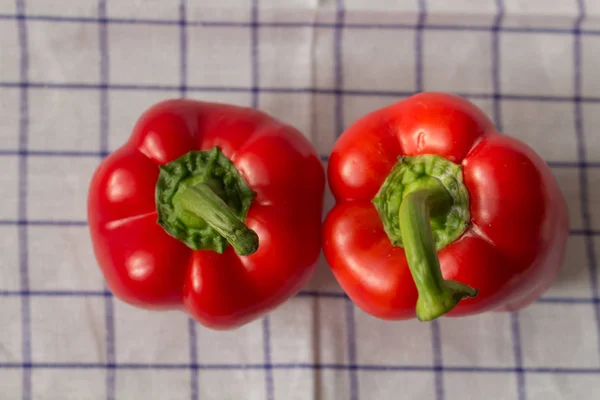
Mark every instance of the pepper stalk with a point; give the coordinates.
(202, 200)
(423, 205)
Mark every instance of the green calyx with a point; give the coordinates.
(202, 200)
(449, 219)
(424, 206)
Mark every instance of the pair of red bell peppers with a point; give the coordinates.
(217, 209)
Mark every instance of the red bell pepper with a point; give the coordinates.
(438, 213)
(211, 208)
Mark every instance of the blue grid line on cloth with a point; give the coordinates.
(183, 48)
(285, 90)
(22, 206)
(111, 375)
(438, 361)
(301, 294)
(518, 354)
(338, 74)
(351, 347)
(495, 53)
(497, 110)
(269, 383)
(254, 25)
(255, 102)
(422, 16)
(104, 75)
(300, 366)
(583, 172)
(338, 71)
(334, 25)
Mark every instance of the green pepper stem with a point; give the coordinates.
(202, 201)
(436, 295)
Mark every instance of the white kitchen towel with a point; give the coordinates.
(76, 74)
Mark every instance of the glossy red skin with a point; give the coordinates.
(515, 244)
(146, 267)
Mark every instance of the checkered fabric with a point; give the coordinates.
(76, 74)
